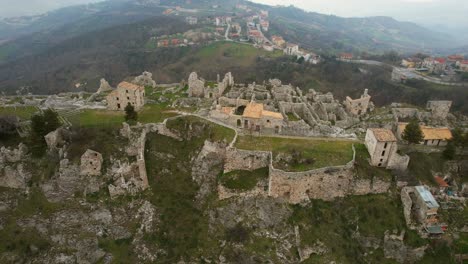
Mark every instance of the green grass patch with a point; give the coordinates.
(98, 118)
(105, 140)
(215, 132)
(292, 117)
(334, 223)
(121, 250)
(183, 228)
(311, 154)
(461, 244)
(36, 203)
(243, 54)
(23, 112)
(243, 180)
(20, 241)
(154, 113)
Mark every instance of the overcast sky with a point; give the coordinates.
(10, 8)
(428, 12)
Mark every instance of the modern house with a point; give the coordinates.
(425, 206)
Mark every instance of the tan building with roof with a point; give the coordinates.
(433, 136)
(256, 118)
(382, 146)
(250, 116)
(126, 93)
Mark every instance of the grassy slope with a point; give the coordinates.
(183, 231)
(324, 153)
(334, 224)
(24, 112)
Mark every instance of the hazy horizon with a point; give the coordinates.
(449, 13)
(446, 13)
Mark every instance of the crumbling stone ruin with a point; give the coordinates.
(394, 248)
(130, 177)
(8, 125)
(104, 86)
(382, 146)
(198, 87)
(274, 108)
(145, 79)
(13, 173)
(439, 109)
(302, 187)
(91, 163)
(436, 114)
(126, 93)
(57, 139)
(359, 107)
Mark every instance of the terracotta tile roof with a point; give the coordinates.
(130, 86)
(254, 110)
(227, 110)
(383, 135)
(440, 181)
(440, 60)
(272, 114)
(431, 133)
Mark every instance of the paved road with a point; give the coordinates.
(226, 35)
(408, 72)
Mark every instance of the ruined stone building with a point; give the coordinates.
(436, 113)
(145, 79)
(433, 136)
(310, 114)
(382, 146)
(439, 109)
(198, 87)
(126, 93)
(358, 107)
(91, 163)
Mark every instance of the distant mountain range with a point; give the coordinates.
(88, 42)
(372, 34)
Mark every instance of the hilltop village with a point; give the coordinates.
(375, 159)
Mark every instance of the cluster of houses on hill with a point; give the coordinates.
(437, 65)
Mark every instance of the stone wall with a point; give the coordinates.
(407, 205)
(398, 162)
(325, 183)
(237, 159)
(299, 187)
